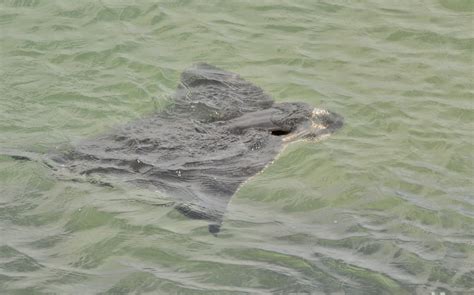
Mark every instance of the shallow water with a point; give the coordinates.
(385, 206)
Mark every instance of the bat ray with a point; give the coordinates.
(219, 131)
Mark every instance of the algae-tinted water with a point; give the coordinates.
(383, 206)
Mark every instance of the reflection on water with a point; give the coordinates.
(382, 207)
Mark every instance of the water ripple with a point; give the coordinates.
(384, 206)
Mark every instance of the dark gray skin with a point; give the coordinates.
(220, 131)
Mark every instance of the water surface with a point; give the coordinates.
(385, 206)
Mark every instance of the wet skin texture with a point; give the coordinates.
(220, 131)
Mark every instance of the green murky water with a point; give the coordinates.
(385, 206)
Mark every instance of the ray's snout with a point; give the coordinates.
(328, 120)
(291, 121)
(321, 124)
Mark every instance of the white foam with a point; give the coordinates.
(319, 112)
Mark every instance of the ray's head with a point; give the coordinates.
(291, 121)
(320, 124)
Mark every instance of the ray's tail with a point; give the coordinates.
(19, 155)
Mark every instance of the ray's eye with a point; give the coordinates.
(280, 132)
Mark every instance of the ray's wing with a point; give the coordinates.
(208, 93)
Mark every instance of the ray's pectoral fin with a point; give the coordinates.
(210, 196)
(205, 74)
(194, 211)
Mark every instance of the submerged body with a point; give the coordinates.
(220, 131)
